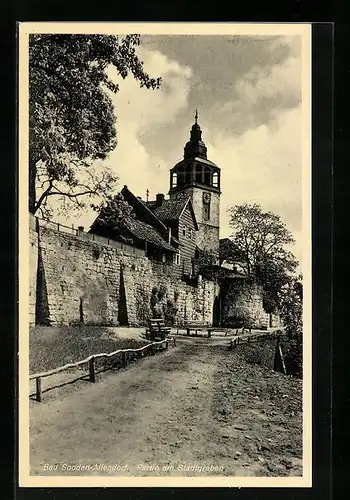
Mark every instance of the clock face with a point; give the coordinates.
(206, 197)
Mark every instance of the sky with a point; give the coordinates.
(248, 93)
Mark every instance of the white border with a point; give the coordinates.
(304, 30)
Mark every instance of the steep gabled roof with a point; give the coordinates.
(171, 210)
(145, 232)
(145, 226)
(141, 206)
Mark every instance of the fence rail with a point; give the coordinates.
(36, 222)
(91, 361)
(254, 338)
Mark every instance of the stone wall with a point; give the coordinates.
(74, 280)
(242, 305)
(207, 238)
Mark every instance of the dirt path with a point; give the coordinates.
(164, 415)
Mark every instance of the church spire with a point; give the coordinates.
(195, 146)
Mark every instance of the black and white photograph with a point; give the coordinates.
(165, 254)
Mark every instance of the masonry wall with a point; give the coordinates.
(242, 305)
(208, 231)
(208, 238)
(74, 280)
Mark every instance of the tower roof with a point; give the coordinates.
(195, 146)
(195, 169)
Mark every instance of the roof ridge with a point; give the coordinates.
(145, 205)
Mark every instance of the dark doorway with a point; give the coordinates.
(122, 309)
(217, 311)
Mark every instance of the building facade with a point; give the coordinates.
(199, 178)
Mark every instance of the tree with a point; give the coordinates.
(291, 308)
(71, 115)
(115, 213)
(257, 246)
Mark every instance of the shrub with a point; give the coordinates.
(162, 306)
(170, 312)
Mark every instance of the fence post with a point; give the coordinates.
(92, 373)
(282, 359)
(38, 389)
(209, 334)
(166, 345)
(231, 344)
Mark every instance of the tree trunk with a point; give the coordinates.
(32, 179)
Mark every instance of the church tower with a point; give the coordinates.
(199, 178)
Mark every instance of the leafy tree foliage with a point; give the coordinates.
(71, 115)
(257, 246)
(291, 307)
(115, 212)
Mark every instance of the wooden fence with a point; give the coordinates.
(278, 335)
(258, 337)
(91, 361)
(36, 222)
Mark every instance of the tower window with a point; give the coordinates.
(198, 173)
(215, 179)
(207, 176)
(188, 175)
(180, 176)
(174, 180)
(184, 231)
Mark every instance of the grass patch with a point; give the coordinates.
(258, 353)
(51, 347)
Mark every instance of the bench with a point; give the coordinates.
(157, 329)
(196, 326)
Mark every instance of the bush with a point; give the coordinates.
(162, 306)
(170, 312)
(293, 355)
